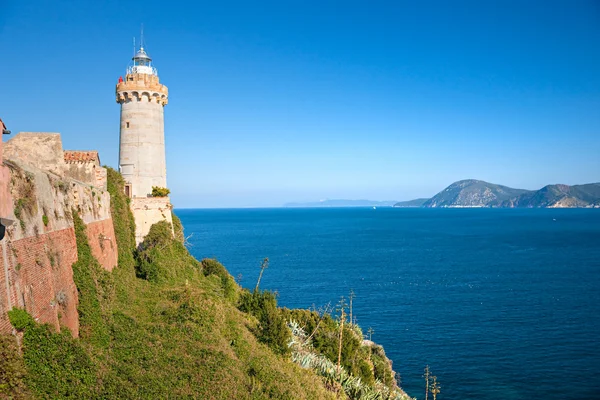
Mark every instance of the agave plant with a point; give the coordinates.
(303, 355)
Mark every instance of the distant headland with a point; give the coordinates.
(474, 193)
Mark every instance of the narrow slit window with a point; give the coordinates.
(127, 124)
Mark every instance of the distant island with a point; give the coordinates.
(343, 203)
(474, 193)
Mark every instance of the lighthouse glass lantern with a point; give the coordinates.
(142, 64)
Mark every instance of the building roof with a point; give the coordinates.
(72, 156)
(141, 55)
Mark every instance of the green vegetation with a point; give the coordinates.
(20, 206)
(12, 370)
(162, 259)
(160, 191)
(95, 287)
(271, 329)
(230, 288)
(163, 325)
(57, 365)
(178, 228)
(336, 378)
(24, 188)
(367, 362)
(45, 220)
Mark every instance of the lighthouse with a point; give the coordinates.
(142, 160)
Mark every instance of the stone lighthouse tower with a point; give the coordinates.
(142, 159)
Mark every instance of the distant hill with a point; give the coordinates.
(475, 193)
(342, 203)
(411, 203)
(562, 196)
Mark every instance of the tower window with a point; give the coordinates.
(127, 124)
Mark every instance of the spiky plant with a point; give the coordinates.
(354, 388)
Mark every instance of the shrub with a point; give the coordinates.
(57, 365)
(272, 329)
(213, 267)
(158, 191)
(382, 367)
(45, 220)
(177, 228)
(20, 319)
(161, 258)
(12, 370)
(154, 243)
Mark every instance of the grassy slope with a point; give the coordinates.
(174, 334)
(178, 338)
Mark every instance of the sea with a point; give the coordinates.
(499, 303)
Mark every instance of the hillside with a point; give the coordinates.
(555, 196)
(475, 193)
(411, 203)
(164, 325)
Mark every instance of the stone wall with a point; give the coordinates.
(45, 152)
(38, 149)
(148, 211)
(37, 276)
(40, 247)
(84, 166)
(104, 247)
(5, 199)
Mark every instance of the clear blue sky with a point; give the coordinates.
(276, 101)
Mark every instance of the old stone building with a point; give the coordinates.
(142, 160)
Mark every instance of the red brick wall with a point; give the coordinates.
(40, 279)
(101, 237)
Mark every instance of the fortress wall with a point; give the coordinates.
(39, 249)
(103, 245)
(148, 211)
(86, 172)
(38, 278)
(38, 149)
(5, 199)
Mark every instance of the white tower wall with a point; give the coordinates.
(142, 148)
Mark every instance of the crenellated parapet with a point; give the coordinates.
(142, 87)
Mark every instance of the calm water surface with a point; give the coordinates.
(502, 304)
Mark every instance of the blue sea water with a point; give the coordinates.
(500, 303)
